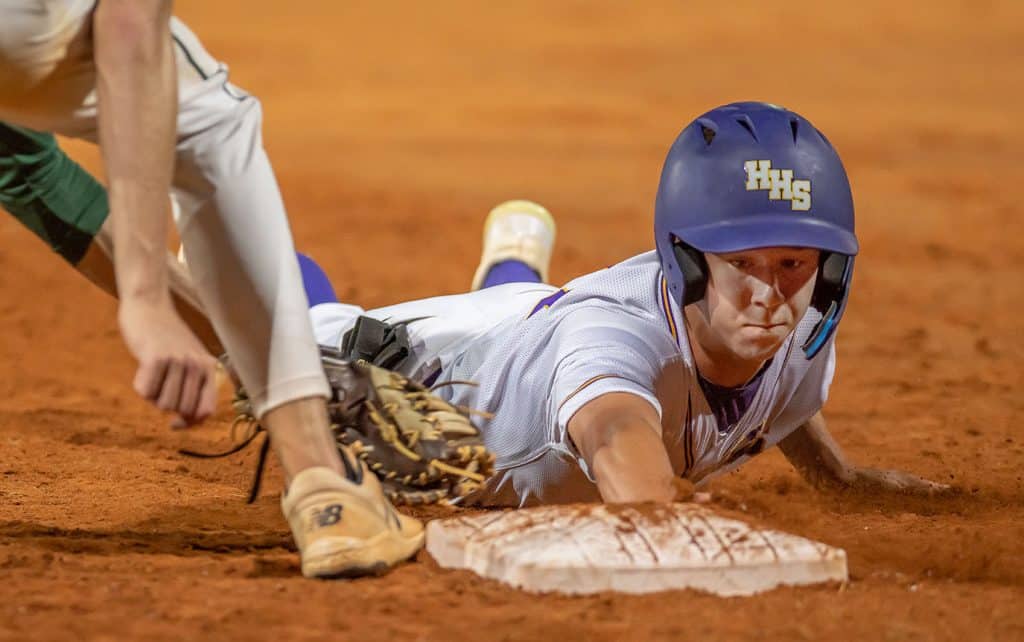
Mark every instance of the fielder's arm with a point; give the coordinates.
(619, 436)
(137, 92)
(821, 462)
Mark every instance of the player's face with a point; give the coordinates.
(755, 298)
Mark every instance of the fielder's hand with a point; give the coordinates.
(175, 372)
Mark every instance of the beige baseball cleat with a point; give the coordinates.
(347, 529)
(517, 230)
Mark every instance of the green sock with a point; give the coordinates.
(50, 193)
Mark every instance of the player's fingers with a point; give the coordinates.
(207, 397)
(170, 389)
(207, 393)
(192, 384)
(149, 378)
(683, 490)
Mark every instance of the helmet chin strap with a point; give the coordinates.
(821, 332)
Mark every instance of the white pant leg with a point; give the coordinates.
(232, 223)
(236, 237)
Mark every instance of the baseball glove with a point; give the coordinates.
(422, 449)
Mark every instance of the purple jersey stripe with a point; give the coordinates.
(666, 307)
(729, 404)
(547, 302)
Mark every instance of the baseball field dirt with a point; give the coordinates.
(394, 127)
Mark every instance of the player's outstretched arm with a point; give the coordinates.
(619, 436)
(137, 93)
(821, 462)
(137, 97)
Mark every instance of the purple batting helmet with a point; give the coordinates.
(751, 175)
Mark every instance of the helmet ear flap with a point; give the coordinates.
(831, 280)
(694, 268)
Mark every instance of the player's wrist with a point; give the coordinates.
(621, 482)
(142, 286)
(149, 299)
(140, 252)
(661, 491)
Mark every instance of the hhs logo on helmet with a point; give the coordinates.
(779, 183)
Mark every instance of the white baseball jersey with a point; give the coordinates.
(539, 353)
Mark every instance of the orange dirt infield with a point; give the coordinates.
(394, 127)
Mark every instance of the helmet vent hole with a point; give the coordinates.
(745, 122)
(794, 125)
(708, 129)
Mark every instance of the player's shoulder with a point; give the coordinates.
(606, 327)
(620, 305)
(632, 287)
(625, 275)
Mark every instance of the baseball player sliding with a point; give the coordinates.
(682, 362)
(126, 74)
(678, 363)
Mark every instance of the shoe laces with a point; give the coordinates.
(253, 429)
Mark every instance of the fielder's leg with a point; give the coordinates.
(243, 265)
(242, 261)
(314, 280)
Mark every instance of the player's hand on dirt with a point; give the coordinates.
(175, 372)
(896, 481)
(687, 492)
(684, 490)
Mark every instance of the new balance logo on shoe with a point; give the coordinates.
(329, 516)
